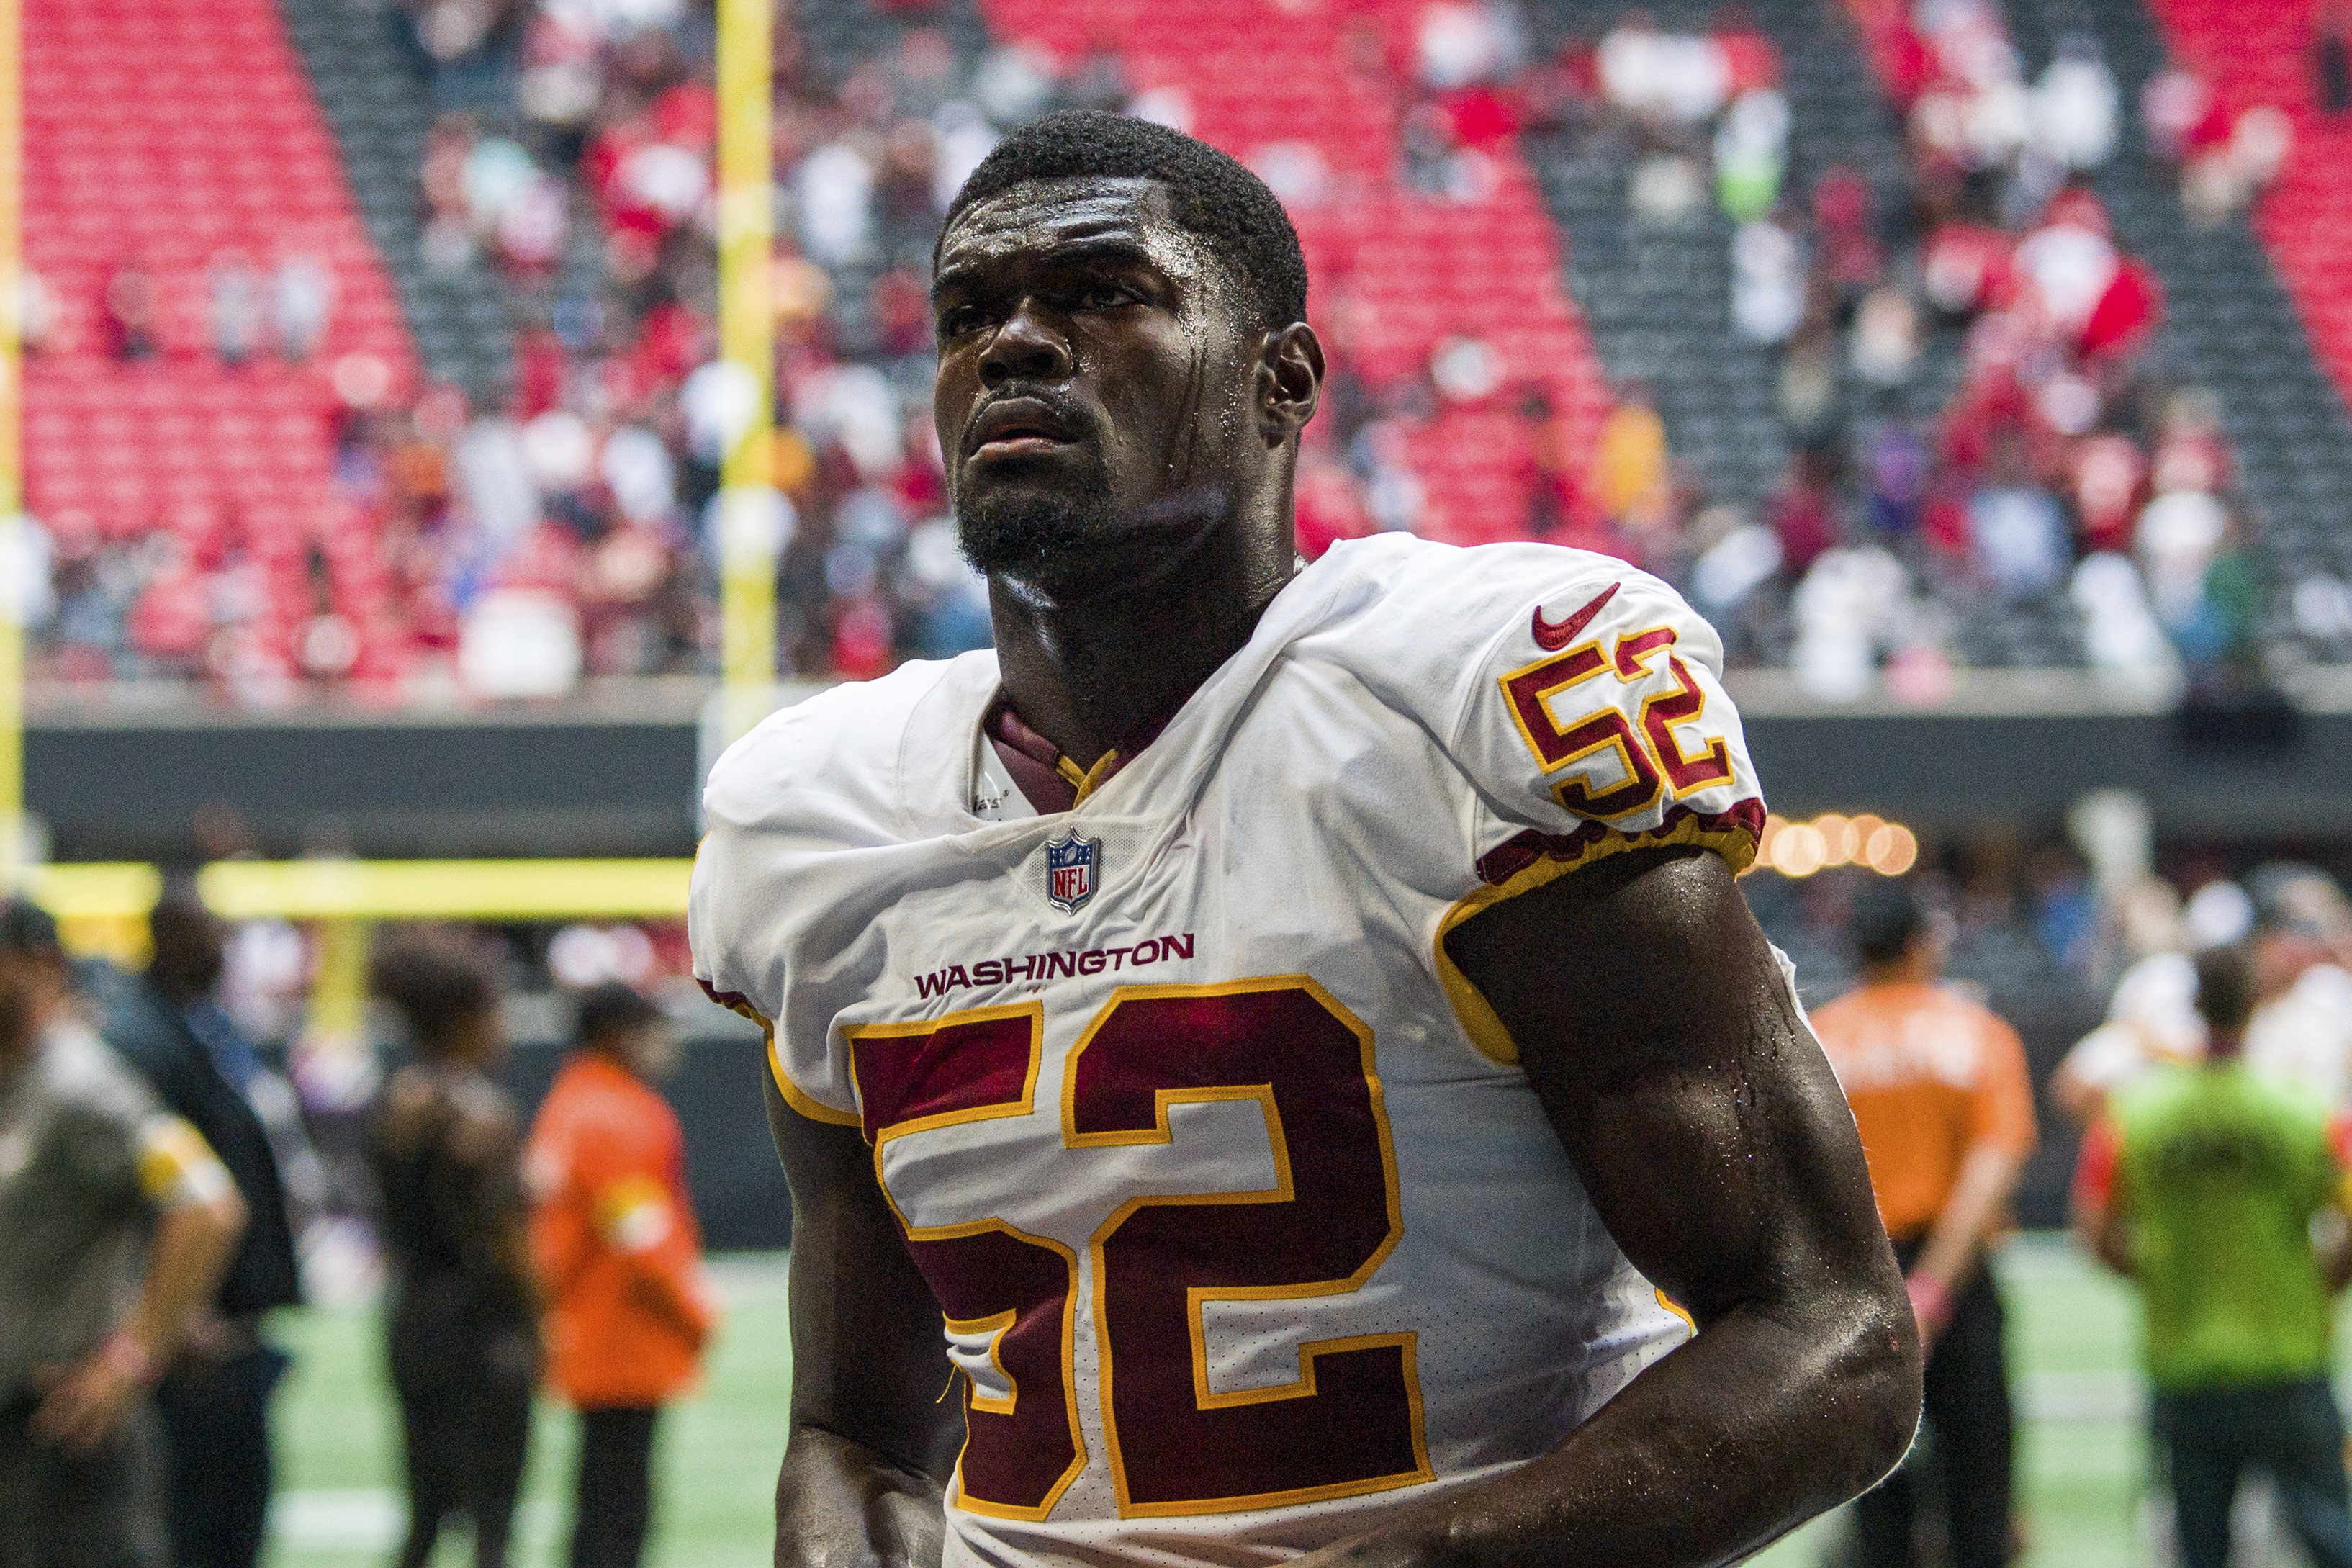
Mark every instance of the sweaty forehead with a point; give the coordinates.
(1038, 218)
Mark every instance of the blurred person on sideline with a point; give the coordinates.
(2302, 1028)
(2202, 1183)
(2301, 1032)
(464, 1307)
(1939, 1089)
(115, 1222)
(214, 1399)
(612, 1232)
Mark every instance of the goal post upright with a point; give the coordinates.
(747, 515)
(14, 556)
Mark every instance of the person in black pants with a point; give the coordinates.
(214, 1400)
(613, 1229)
(1939, 1089)
(616, 1450)
(1966, 1406)
(464, 1321)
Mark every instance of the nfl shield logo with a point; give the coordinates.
(1072, 865)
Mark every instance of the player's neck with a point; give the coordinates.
(1087, 674)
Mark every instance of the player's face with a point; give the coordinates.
(1095, 382)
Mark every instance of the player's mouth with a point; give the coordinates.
(1018, 427)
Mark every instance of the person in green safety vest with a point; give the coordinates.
(2202, 1183)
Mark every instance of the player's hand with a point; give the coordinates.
(1931, 1304)
(908, 1531)
(86, 1406)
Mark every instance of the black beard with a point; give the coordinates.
(1030, 536)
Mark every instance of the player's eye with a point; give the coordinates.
(956, 320)
(1104, 297)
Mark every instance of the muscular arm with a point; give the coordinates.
(1710, 1131)
(874, 1436)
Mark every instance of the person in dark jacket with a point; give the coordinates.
(445, 1147)
(214, 1399)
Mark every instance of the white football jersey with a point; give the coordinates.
(1246, 1225)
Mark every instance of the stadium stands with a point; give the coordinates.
(1673, 288)
(198, 270)
(2261, 308)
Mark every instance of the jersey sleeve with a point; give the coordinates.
(119, 1137)
(1595, 721)
(794, 811)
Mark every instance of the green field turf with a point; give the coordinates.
(2072, 1341)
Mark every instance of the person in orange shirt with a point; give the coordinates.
(619, 1254)
(1940, 1094)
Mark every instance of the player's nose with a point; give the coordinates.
(1027, 347)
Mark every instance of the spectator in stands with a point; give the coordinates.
(1803, 509)
(36, 311)
(215, 1399)
(2017, 534)
(115, 1221)
(2301, 1030)
(1630, 477)
(1939, 1089)
(1767, 282)
(2202, 1183)
(613, 1234)
(463, 1319)
(237, 308)
(2178, 538)
(2075, 106)
(2331, 59)
(132, 306)
(2178, 110)
(302, 301)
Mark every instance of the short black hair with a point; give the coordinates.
(1209, 194)
(2225, 989)
(436, 978)
(27, 931)
(610, 1010)
(1886, 919)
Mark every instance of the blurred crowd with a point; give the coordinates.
(2058, 506)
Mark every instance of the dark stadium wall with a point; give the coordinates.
(569, 782)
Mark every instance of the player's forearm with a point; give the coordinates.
(191, 1248)
(840, 1504)
(1986, 1178)
(1762, 1422)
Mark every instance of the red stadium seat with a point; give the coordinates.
(2254, 52)
(163, 131)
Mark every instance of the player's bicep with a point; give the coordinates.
(869, 1362)
(1655, 1026)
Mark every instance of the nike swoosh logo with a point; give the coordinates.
(1553, 635)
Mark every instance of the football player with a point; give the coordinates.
(1296, 1025)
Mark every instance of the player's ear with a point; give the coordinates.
(1290, 381)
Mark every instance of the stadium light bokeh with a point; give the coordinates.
(1799, 849)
